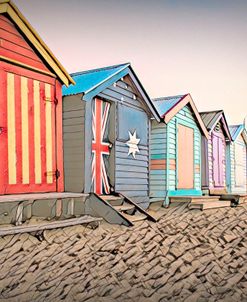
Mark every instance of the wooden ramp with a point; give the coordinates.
(116, 209)
(202, 202)
(47, 225)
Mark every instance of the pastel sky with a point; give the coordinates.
(175, 46)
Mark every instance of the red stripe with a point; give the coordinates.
(3, 134)
(18, 129)
(53, 119)
(59, 137)
(31, 131)
(43, 132)
(98, 115)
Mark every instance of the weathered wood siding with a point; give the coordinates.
(73, 140)
(231, 167)
(131, 174)
(15, 47)
(163, 146)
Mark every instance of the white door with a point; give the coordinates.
(240, 176)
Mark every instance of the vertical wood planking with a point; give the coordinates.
(43, 133)
(25, 130)
(18, 129)
(11, 128)
(48, 117)
(59, 137)
(3, 136)
(31, 131)
(37, 136)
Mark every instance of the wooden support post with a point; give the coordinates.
(19, 214)
(71, 207)
(59, 206)
(27, 209)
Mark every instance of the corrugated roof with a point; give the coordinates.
(90, 79)
(210, 117)
(235, 130)
(165, 104)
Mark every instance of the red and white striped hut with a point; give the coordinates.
(31, 80)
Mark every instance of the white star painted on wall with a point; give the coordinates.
(132, 143)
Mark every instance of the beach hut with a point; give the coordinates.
(31, 80)
(214, 152)
(176, 149)
(236, 160)
(106, 124)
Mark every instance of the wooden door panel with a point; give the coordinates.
(218, 146)
(185, 158)
(240, 176)
(100, 147)
(28, 141)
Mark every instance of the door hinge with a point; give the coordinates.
(56, 173)
(50, 100)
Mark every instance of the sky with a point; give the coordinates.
(174, 46)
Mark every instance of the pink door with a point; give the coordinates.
(185, 158)
(218, 146)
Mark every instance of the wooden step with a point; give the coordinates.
(237, 198)
(217, 191)
(124, 207)
(193, 199)
(135, 218)
(243, 199)
(48, 225)
(112, 199)
(210, 204)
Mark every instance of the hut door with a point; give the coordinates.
(100, 146)
(185, 158)
(27, 137)
(218, 160)
(239, 165)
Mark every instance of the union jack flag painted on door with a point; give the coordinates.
(100, 148)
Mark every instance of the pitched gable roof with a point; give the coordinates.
(211, 118)
(8, 8)
(91, 82)
(168, 107)
(236, 130)
(88, 80)
(165, 104)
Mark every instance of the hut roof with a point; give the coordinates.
(211, 118)
(236, 130)
(88, 80)
(165, 104)
(91, 82)
(168, 107)
(8, 8)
